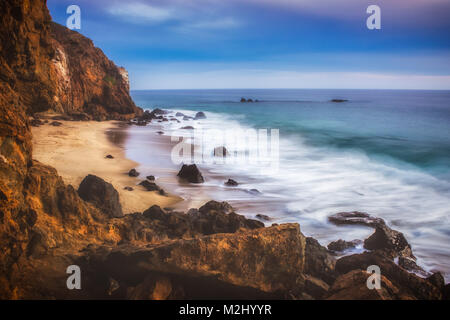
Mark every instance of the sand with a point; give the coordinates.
(77, 149)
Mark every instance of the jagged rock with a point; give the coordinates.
(392, 242)
(410, 264)
(102, 194)
(200, 115)
(220, 152)
(342, 245)
(191, 174)
(155, 212)
(353, 286)
(319, 262)
(231, 183)
(437, 279)
(151, 178)
(133, 173)
(409, 284)
(355, 217)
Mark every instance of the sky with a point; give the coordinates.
(211, 44)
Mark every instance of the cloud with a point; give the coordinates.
(141, 12)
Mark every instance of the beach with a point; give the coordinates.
(77, 149)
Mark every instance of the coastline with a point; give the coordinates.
(79, 148)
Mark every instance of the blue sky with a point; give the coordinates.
(194, 44)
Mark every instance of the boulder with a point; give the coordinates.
(191, 173)
(263, 217)
(133, 173)
(187, 128)
(109, 157)
(155, 212)
(102, 194)
(179, 114)
(151, 178)
(199, 115)
(338, 100)
(355, 218)
(231, 183)
(151, 186)
(128, 188)
(391, 242)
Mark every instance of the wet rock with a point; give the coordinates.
(342, 245)
(102, 194)
(133, 173)
(158, 111)
(315, 287)
(254, 192)
(231, 183)
(187, 128)
(151, 186)
(355, 218)
(411, 265)
(109, 157)
(191, 174)
(338, 100)
(391, 242)
(179, 114)
(151, 178)
(185, 118)
(437, 279)
(319, 262)
(263, 217)
(128, 188)
(200, 115)
(220, 152)
(36, 122)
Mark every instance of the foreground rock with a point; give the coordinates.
(191, 174)
(342, 245)
(102, 194)
(391, 242)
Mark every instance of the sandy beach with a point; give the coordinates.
(77, 149)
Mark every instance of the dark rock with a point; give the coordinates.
(243, 100)
(160, 132)
(254, 192)
(185, 118)
(199, 115)
(79, 116)
(315, 287)
(263, 217)
(63, 117)
(155, 212)
(36, 122)
(220, 152)
(56, 123)
(151, 178)
(158, 111)
(338, 100)
(109, 157)
(128, 188)
(319, 262)
(102, 194)
(249, 100)
(187, 128)
(179, 114)
(391, 242)
(410, 264)
(231, 183)
(355, 217)
(191, 174)
(437, 279)
(133, 173)
(149, 186)
(342, 245)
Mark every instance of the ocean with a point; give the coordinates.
(384, 152)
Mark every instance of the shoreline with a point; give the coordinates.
(79, 148)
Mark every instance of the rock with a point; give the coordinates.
(179, 114)
(160, 132)
(353, 286)
(133, 173)
(410, 264)
(263, 217)
(185, 118)
(409, 284)
(36, 122)
(220, 152)
(315, 287)
(158, 111)
(151, 178)
(254, 192)
(342, 245)
(79, 116)
(391, 242)
(155, 212)
(199, 115)
(56, 123)
(191, 174)
(355, 218)
(338, 100)
(102, 194)
(319, 262)
(187, 128)
(128, 188)
(437, 279)
(219, 217)
(249, 100)
(243, 100)
(231, 183)
(109, 157)
(150, 186)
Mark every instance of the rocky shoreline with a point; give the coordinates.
(47, 225)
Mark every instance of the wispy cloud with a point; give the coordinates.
(141, 12)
